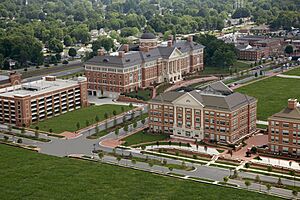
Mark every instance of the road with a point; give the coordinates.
(33, 74)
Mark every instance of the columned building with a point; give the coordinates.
(213, 113)
(142, 65)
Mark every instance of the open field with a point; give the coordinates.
(238, 66)
(68, 121)
(29, 175)
(294, 72)
(142, 137)
(272, 94)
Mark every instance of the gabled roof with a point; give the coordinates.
(185, 46)
(129, 59)
(228, 102)
(216, 88)
(166, 52)
(292, 115)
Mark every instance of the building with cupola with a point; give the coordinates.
(142, 65)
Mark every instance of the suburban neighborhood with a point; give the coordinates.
(150, 100)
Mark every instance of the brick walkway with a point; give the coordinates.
(180, 84)
(70, 135)
(256, 140)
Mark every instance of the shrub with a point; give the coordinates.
(19, 141)
(6, 138)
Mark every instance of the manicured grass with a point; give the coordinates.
(262, 126)
(272, 94)
(142, 137)
(29, 175)
(72, 75)
(237, 66)
(293, 72)
(118, 126)
(68, 121)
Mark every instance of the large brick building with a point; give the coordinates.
(213, 113)
(142, 65)
(258, 47)
(13, 78)
(30, 102)
(284, 130)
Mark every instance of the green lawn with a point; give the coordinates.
(237, 66)
(294, 72)
(68, 121)
(272, 94)
(142, 137)
(29, 175)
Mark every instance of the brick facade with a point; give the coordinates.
(147, 65)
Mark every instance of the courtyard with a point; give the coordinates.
(82, 117)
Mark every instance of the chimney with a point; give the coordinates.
(126, 48)
(146, 48)
(190, 38)
(121, 54)
(292, 104)
(170, 43)
(170, 37)
(100, 52)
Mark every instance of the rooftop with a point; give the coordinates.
(215, 96)
(148, 36)
(39, 87)
(136, 56)
(288, 114)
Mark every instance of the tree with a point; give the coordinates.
(23, 128)
(289, 49)
(118, 158)
(133, 161)
(68, 41)
(295, 193)
(225, 179)
(72, 52)
(5, 137)
(117, 132)
(143, 121)
(241, 13)
(77, 126)
(50, 130)
(268, 187)
(256, 74)
(114, 112)
(87, 123)
(36, 133)
(126, 128)
(130, 106)
(101, 155)
(279, 182)
(55, 45)
(257, 179)
(164, 162)
(106, 117)
(171, 169)
(97, 119)
(134, 125)
(105, 42)
(247, 183)
(150, 164)
(270, 168)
